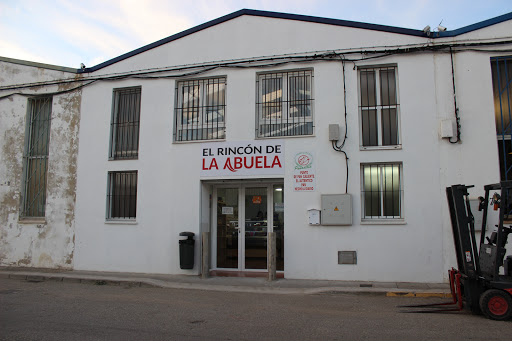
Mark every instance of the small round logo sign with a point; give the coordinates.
(303, 160)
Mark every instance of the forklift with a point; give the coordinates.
(483, 280)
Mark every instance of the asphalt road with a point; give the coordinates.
(69, 311)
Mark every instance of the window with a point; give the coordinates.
(200, 109)
(124, 128)
(382, 191)
(35, 158)
(122, 195)
(284, 104)
(502, 87)
(379, 108)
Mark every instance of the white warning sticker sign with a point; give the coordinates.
(468, 256)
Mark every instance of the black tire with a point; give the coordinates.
(496, 304)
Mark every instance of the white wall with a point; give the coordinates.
(48, 242)
(169, 192)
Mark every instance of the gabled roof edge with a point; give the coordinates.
(476, 26)
(305, 18)
(165, 41)
(252, 12)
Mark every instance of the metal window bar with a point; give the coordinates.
(502, 88)
(382, 191)
(379, 109)
(284, 104)
(200, 109)
(122, 195)
(124, 129)
(35, 160)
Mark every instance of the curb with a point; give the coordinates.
(418, 294)
(156, 283)
(72, 279)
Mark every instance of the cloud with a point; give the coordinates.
(68, 32)
(13, 50)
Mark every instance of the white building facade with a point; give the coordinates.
(337, 137)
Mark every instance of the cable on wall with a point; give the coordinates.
(335, 143)
(457, 117)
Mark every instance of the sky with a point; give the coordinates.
(70, 32)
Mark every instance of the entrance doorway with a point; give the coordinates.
(243, 215)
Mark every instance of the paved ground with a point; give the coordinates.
(233, 284)
(50, 310)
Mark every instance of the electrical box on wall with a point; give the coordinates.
(334, 132)
(314, 216)
(336, 209)
(446, 129)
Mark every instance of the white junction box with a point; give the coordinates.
(446, 129)
(314, 216)
(336, 209)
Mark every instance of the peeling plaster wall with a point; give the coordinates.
(47, 243)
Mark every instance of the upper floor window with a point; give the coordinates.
(284, 104)
(200, 109)
(379, 107)
(124, 127)
(35, 157)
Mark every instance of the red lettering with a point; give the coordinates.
(258, 162)
(276, 162)
(213, 164)
(265, 163)
(229, 166)
(245, 162)
(238, 162)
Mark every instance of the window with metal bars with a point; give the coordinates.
(501, 68)
(382, 191)
(284, 103)
(124, 127)
(379, 108)
(200, 109)
(35, 158)
(122, 195)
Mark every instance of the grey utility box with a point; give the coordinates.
(336, 209)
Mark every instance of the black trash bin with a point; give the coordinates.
(187, 250)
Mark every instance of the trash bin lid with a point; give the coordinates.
(187, 234)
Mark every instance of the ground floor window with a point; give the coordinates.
(35, 157)
(122, 195)
(382, 191)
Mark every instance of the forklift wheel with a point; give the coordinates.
(496, 304)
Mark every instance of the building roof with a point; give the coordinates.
(39, 65)
(305, 18)
(297, 17)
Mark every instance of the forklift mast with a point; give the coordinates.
(463, 227)
(478, 283)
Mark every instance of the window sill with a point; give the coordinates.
(199, 141)
(121, 222)
(282, 137)
(398, 147)
(32, 221)
(383, 222)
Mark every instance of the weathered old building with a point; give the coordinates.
(39, 148)
(336, 138)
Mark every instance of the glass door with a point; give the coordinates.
(256, 227)
(228, 228)
(243, 215)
